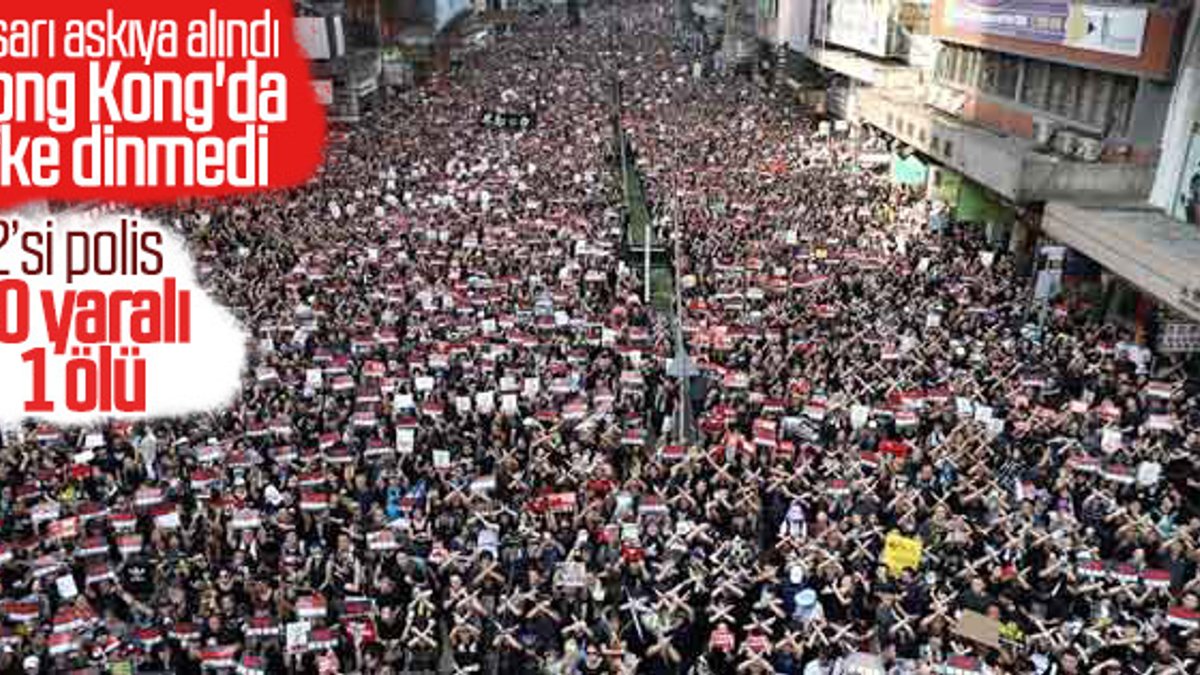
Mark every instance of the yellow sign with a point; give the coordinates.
(901, 553)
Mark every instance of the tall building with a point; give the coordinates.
(729, 23)
(342, 40)
(421, 32)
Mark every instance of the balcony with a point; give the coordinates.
(1011, 166)
(874, 72)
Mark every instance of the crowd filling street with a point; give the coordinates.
(455, 449)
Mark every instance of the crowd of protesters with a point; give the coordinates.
(454, 451)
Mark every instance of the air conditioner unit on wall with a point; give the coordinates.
(1043, 130)
(1088, 149)
(1064, 142)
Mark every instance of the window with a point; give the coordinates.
(974, 69)
(1124, 92)
(767, 9)
(1036, 89)
(960, 66)
(1094, 99)
(1000, 74)
(944, 65)
(991, 72)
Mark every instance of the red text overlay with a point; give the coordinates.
(145, 101)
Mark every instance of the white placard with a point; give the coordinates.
(485, 402)
(66, 587)
(441, 459)
(488, 541)
(508, 404)
(995, 426)
(572, 575)
(858, 415)
(532, 386)
(406, 441)
(1148, 473)
(313, 377)
(462, 404)
(1110, 440)
(423, 383)
(296, 636)
(963, 406)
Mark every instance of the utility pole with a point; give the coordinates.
(647, 230)
(621, 141)
(682, 362)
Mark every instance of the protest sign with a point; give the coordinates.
(978, 628)
(901, 553)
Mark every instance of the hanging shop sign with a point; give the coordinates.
(862, 25)
(511, 121)
(1179, 337)
(1107, 29)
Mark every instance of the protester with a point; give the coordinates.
(452, 451)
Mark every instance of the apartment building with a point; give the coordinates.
(342, 41)
(1061, 126)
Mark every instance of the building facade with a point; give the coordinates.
(342, 40)
(1057, 123)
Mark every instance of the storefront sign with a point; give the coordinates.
(1186, 206)
(514, 121)
(1112, 30)
(397, 72)
(324, 91)
(862, 25)
(1179, 337)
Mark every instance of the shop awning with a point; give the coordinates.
(970, 202)
(871, 160)
(1152, 251)
(909, 170)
